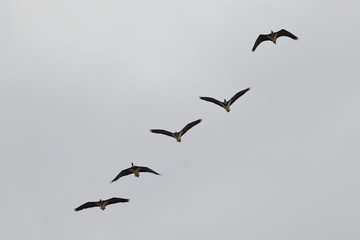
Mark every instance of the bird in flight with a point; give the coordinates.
(226, 104)
(272, 37)
(102, 203)
(134, 170)
(177, 135)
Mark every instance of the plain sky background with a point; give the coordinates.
(82, 83)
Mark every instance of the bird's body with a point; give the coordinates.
(134, 170)
(102, 203)
(226, 104)
(273, 36)
(177, 135)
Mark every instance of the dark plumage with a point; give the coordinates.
(272, 37)
(226, 104)
(134, 170)
(102, 204)
(177, 135)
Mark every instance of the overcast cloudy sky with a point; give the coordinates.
(83, 82)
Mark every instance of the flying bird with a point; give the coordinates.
(102, 204)
(226, 104)
(272, 37)
(177, 135)
(134, 170)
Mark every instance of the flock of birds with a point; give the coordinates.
(177, 135)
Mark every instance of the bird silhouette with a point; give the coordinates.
(273, 37)
(226, 104)
(102, 203)
(134, 170)
(177, 135)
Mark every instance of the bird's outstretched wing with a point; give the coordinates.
(213, 100)
(236, 96)
(146, 169)
(86, 205)
(122, 173)
(189, 125)
(161, 131)
(284, 33)
(116, 200)
(260, 39)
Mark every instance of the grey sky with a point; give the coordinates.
(83, 82)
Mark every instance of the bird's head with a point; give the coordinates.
(132, 164)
